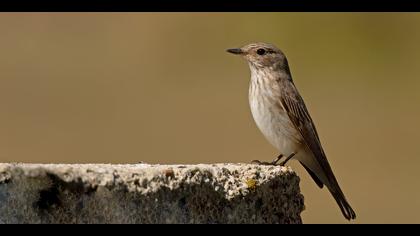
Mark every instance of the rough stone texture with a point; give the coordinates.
(143, 193)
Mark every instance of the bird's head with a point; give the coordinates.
(262, 55)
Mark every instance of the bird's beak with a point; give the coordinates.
(237, 51)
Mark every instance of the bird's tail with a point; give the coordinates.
(344, 205)
(323, 175)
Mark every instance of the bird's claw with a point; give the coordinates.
(257, 162)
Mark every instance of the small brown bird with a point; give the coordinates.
(281, 115)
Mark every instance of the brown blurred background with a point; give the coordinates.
(160, 88)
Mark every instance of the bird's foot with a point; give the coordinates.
(273, 163)
(257, 162)
(287, 159)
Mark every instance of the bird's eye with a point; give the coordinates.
(260, 51)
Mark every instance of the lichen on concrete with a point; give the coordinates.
(144, 193)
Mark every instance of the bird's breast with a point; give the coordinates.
(271, 118)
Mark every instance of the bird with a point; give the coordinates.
(280, 113)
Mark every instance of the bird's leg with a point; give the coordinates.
(287, 159)
(273, 163)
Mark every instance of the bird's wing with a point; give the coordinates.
(299, 115)
(296, 110)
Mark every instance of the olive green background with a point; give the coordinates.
(160, 88)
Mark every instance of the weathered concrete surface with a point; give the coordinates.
(143, 193)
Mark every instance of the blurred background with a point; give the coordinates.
(160, 88)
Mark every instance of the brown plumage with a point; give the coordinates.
(280, 113)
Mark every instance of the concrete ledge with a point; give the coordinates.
(143, 193)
